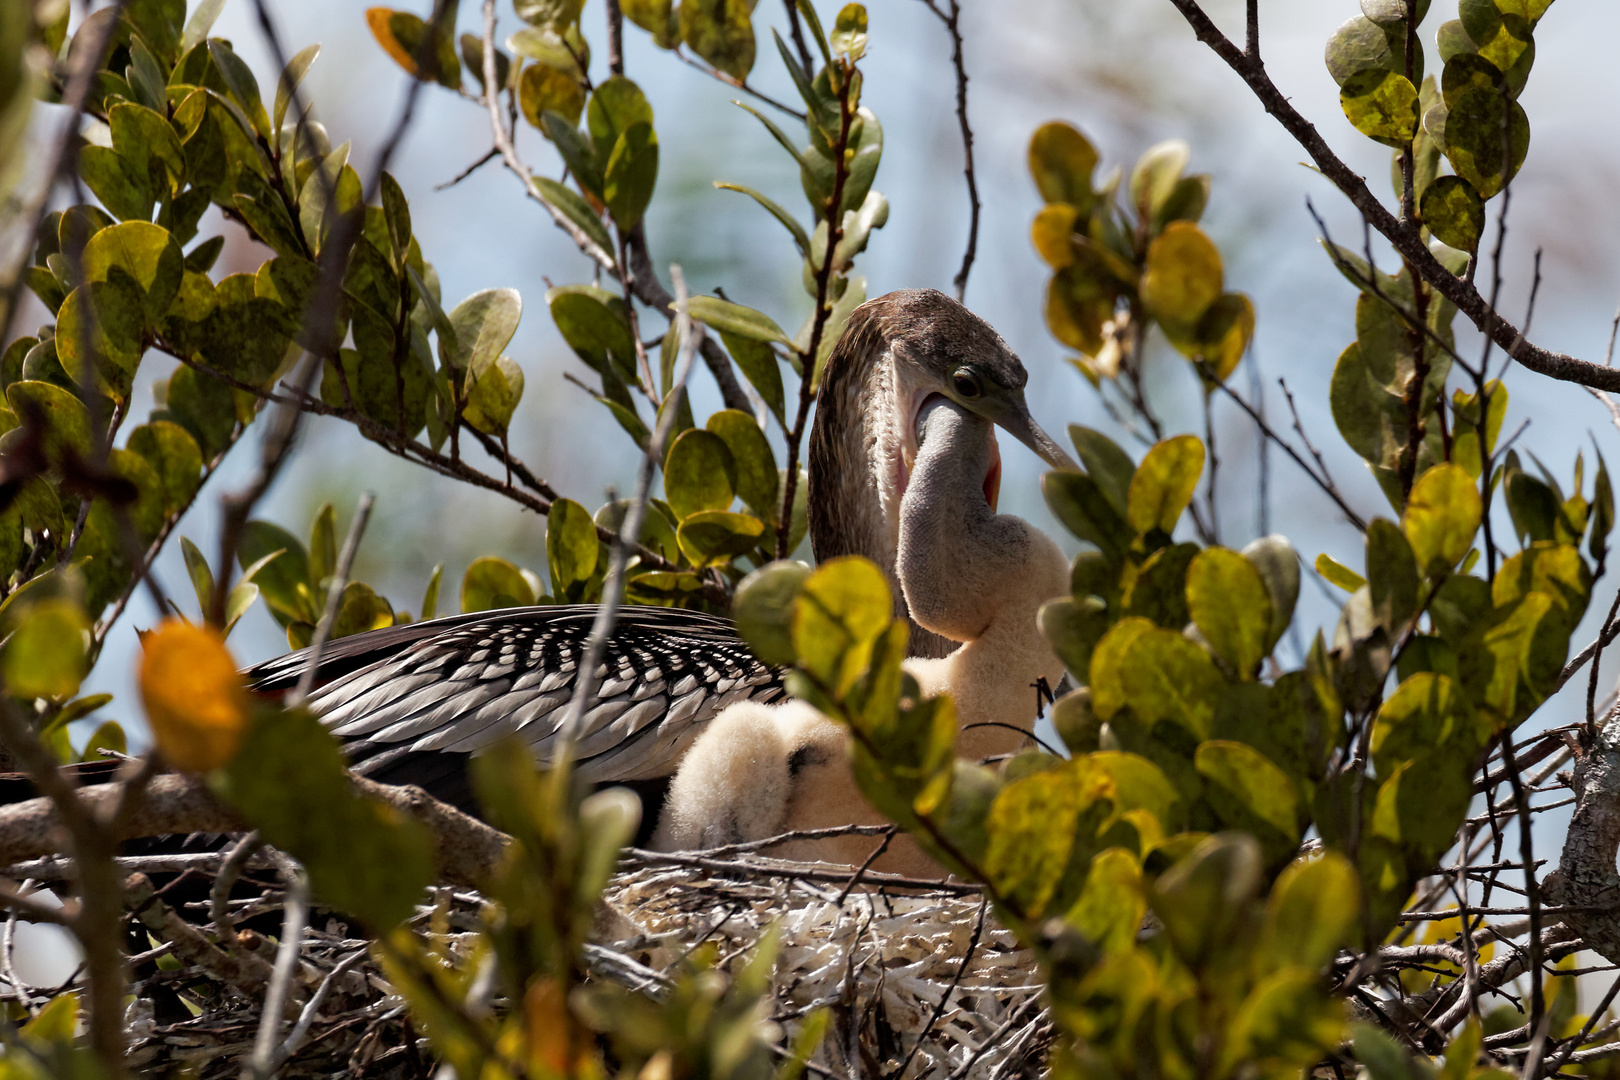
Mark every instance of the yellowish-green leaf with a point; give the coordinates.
(1164, 483)
(1442, 515)
(1232, 608)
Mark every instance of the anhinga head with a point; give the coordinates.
(897, 351)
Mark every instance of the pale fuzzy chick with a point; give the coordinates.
(970, 575)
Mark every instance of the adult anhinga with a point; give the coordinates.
(412, 702)
(970, 575)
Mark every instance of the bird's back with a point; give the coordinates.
(412, 703)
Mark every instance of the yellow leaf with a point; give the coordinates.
(195, 700)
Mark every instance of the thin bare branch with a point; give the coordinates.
(1404, 237)
(334, 600)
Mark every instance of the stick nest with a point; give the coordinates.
(922, 977)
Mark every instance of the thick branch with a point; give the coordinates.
(466, 849)
(1586, 871)
(1403, 237)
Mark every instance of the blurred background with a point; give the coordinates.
(1129, 74)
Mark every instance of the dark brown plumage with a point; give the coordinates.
(896, 351)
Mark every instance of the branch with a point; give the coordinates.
(650, 291)
(466, 850)
(1586, 870)
(89, 828)
(953, 27)
(503, 143)
(1403, 237)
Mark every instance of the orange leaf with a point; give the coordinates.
(195, 699)
(380, 19)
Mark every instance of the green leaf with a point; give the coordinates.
(145, 252)
(405, 37)
(543, 89)
(1110, 466)
(631, 175)
(727, 317)
(1312, 912)
(1073, 628)
(1231, 606)
(1163, 484)
(1081, 504)
(147, 140)
(472, 58)
(849, 32)
(241, 85)
(572, 550)
(1035, 826)
(754, 464)
(289, 779)
(360, 609)
(109, 735)
(1203, 897)
(45, 655)
(113, 179)
(1109, 661)
(800, 240)
(1182, 276)
(174, 456)
(430, 598)
(201, 21)
(699, 473)
(757, 361)
(1422, 804)
(616, 106)
(1602, 512)
(1244, 780)
(66, 420)
(291, 77)
(1480, 124)
(1442, 515)
(284, 580)
(576, 210)
(721, 32)
(714, 537)
(1359, 44)
(842, 610)
(1555, 569)
(1167, 677)
(763, 610)
(1159, 588)
(1533, 506)
(1394, 577)
(1155, 176)
(397, 215)
(100, 336)
(484, 324)
(564, 49)
(492, 582)
(1382, 105)
(1061, 161)
(595, 324)
(1454, 212)
(656, 17)
(494, 387)
(1427, 713)
(1275, 559)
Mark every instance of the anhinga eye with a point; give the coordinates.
(966, 383)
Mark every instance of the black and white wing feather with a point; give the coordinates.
(410, 703)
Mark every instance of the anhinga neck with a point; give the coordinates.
(856, 464)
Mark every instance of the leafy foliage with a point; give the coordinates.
(1155, 869)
